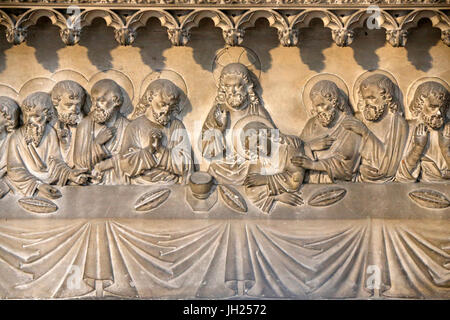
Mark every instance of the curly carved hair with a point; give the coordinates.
(429, 88)
(387, 90)
(38, 99)
(329, 90)
(166, 87)
(74, 89)
(10, 110)
(241, 70)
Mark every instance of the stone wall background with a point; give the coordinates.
(284, 70)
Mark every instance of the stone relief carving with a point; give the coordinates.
(332, 151)
(238, 2)
(233, 24)
(383, 128)
(427, 152)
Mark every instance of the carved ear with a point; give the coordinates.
(55, 101)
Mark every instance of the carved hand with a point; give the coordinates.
(49, 191)
(292, 199)
(156, 142)
(79, 176)
(105, 135)
(220, 116)
(421, 136)
(301, 161)
(356, 126)
(254, 180)
(321, 143)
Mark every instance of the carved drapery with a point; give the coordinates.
(233, 23)
(315, 259)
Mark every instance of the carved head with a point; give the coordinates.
(36, 112)
(430, 104)
(256, 139)
(327, 102)
(377, 94)
(107, 98)
(160, 101)
(9, 115)
(68, 99)
(236, 87)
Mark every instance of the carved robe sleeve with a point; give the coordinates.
(135, 158)
(176, 157)
(22, 179)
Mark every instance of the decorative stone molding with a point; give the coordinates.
(233, 24)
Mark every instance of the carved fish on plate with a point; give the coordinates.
(327, 197)
(152, 200)
(38, 205)
(429, 199)
(233, 199)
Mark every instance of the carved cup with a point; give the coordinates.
(201, 184)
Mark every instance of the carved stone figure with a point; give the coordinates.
(99, 135)
(236, 98)
(34, 160)
(9, 119)
(272, 176)
(332, 152)
(383, 129)
(427, 156)
(68, 100)
(156, 145)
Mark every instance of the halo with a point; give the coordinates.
(170, 75)
(7, 91)
(242, 55)
(364, 76)
(125, 85)
(319, 77)
(34, 85)
(412, 90)
(67, 74)
(239, 126)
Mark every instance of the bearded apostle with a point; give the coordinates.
(332, 152)
(236, 98)
(68, 100)
(427, 156)
(99, 135)
(383, 130)
(34, 161)
(156, 145)
(9, 119)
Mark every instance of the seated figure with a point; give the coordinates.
(332, 152)
(34, 160)
(271, 176)
(383, 130)
(156, 145)
(99, 135)
(68, 100)
(427, 156)
(9, 120)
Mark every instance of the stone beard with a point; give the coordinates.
(427, 156)
(99, 135)
(340, 159)
(156, 146)
(236, 99)
(33, 153)
(384, 130)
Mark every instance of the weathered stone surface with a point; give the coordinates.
(193, 151)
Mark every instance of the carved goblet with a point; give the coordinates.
(201, 184)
